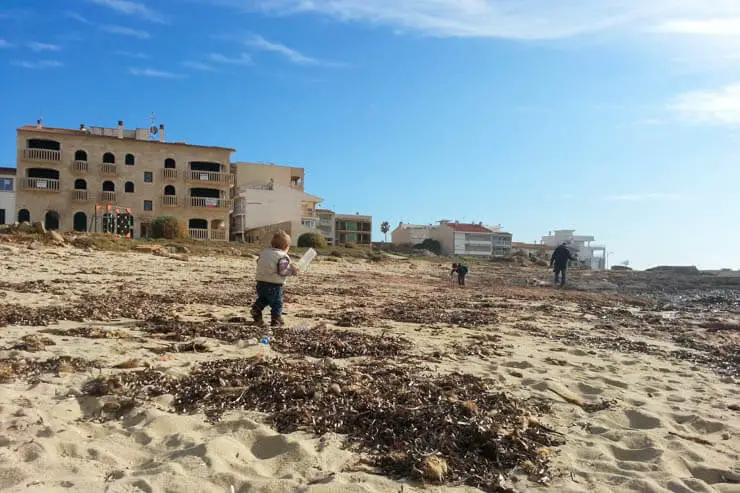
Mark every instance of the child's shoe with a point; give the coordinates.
(277, 322)
(257, 316)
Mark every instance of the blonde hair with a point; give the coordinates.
(280, 240)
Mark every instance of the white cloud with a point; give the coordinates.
(131, 8)
(77, 17)
(41, 64)
(706, 27)
(718, 107)
(513, 19)
(129, 54)
(150, 72)
(294, 56)
(641, 197)
(243, 59)
(126, 31)
(203, 67)
(37, 47)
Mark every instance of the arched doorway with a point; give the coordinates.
(24, 216)
(169, 190)
(198, 224)
(51, 221)
(80, 155)
(128, 187)
(109, 186)
(109, 158)
(169, 163)
(80, 184)
(80, 222)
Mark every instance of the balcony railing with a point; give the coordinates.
(79, 166)
(210, 177)
(210, 203)
(109, 197)
(198, 234)
(79, 195)
(218, 234)
(108, 169)
(40, 184)
(170, 201)
(169, 174)
(41, 155)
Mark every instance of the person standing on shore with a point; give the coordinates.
(273, 268)
(461, 271)
(559, 263)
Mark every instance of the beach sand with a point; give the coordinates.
(672, 426)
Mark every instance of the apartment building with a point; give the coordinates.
(458, 238)
(411, 234)
(539, 250)
(7, 195)
(355, 228)
(68, 179)
(266, 195)
(589, 255)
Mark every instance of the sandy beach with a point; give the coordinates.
(617, 390)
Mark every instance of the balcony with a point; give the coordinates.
(210, 203)
(170, 201)
(198, 234)
(108, 197)
(169, 174)
(80, 196)
(39, 184)
(42, 155)
(108, 169)
(210, 177)
(79, 167)
(218, 234)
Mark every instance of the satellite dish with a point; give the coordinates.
(153, 130)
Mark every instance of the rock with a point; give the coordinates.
(83, 242)
(148, 248)
(56, 238)
(335, 389)
(542, 263)
(180, 256)
(161, 252)
(38, 228)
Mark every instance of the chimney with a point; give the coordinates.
(120, 129)
(161, 132)
(38, 123)
(82, 127)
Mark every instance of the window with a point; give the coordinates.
(109, 158)
(148, 177)
(169, 163)
(129, 187)
(80, 156)
(130, 160)
(2, 216)
(6, 185)
(147, 205)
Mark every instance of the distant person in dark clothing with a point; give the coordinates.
(461, 271)
(559, 262)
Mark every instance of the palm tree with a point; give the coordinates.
(384, 228)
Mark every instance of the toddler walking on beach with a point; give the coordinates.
(273, 268)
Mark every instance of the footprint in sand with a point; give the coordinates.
(522, 365)
(639, 420)
(636, 455)
(590, 389)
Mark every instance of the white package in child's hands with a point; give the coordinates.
(307, 258)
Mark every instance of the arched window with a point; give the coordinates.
(109, 186)
(129, 187)
(109, 158)
(80, 184)
(130, 160)
(198, 224)
(80, 156)
(169, 190)
(51, 220)
(24, 216)
(79, 221)
(169, 163)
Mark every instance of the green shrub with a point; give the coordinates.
(336, 253)
(431, 245)
(170, 228)
(312, 240)
(350, 245)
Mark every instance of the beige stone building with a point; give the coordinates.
(7, 195)
(339, 229)
(69, 179)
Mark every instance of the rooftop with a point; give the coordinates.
(83, 133)
(7, 171)
(468, 228)
(530, 245)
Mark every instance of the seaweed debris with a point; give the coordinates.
(399, 415)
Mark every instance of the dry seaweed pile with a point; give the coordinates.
(317, 342)
(89, 333)
(400, 415)
(355, 319)
(31, 370)
(433, 311)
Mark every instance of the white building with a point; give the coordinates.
(261, 206)
(7, 195)
(471, 239)
(589, 255)
(411, 234)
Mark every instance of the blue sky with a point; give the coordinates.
(619, 119)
